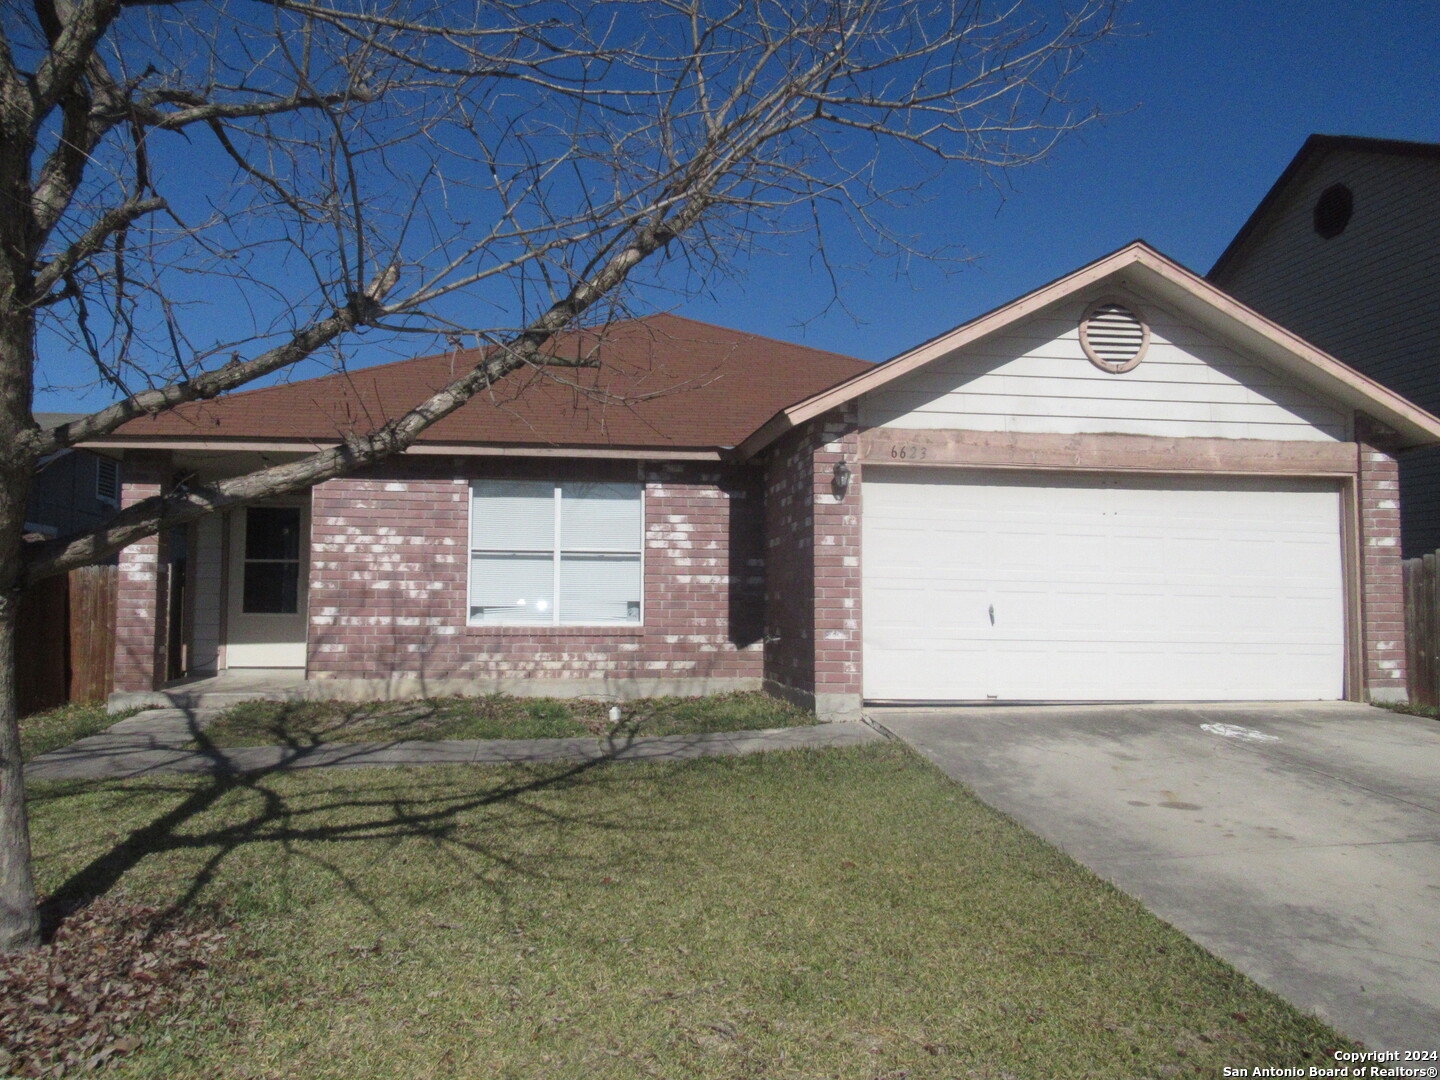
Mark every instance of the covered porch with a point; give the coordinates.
(218, 691)
(221, 600)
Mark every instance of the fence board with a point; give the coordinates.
(1422, 629)
(93, 591)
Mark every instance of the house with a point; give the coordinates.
(1125, 485)
(1345, 251)
(72, 490)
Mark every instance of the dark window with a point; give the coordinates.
(272, 560)
(1333, 210)
(272, 532)
(272, 588)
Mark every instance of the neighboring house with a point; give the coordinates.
(72, 490)
(1345, 251)
(1123, 486)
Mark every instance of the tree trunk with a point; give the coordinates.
(19, 919)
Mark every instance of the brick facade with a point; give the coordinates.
(1382, 577)
(140, 607)
(751, 573)
(389, 565)
(813, 554)
(790, 566)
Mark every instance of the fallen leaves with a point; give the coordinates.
(67, 1006)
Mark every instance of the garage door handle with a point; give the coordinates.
(992, 614)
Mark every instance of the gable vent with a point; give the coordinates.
(1114, 337)
(107, 480)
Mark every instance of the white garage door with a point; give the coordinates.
(1051, 587)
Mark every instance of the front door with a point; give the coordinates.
(269, 570)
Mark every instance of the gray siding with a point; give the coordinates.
(1370, 296)
(62, 495)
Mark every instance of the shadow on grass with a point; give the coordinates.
(304, 724)
(310, 723)
(369, 814)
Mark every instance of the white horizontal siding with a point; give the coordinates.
(1035, 377)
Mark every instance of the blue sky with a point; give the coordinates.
(1207, 102)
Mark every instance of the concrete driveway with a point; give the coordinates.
(1300, 842)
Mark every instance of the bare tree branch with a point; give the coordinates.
(199, 194)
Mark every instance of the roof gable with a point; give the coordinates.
(1142, 271)
(1035, 377)
(1311, 153)
(662, 382)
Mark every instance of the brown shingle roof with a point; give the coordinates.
(663, 381)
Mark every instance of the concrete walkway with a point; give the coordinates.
(155, 742)
(1299, 842)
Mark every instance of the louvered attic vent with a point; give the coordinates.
(1114, 337)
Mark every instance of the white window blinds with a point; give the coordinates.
(552, 554)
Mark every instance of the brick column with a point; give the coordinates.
(1382, 576)
(141, 610)
(812, 568)
(837, 569)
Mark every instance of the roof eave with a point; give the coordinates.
(422, 449)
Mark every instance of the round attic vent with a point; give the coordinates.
(1114, 337)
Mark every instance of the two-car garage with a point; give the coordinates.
(1123, 486)
(1052, 586)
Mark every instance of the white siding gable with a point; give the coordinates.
(1034, 377)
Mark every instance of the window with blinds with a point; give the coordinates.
(555, 554)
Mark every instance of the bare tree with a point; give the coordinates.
(305, 174)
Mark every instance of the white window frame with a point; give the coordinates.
(557, 552)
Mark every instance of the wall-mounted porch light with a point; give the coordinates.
(841, 482)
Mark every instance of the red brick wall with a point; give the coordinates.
(140, 608)
(790, 564)
(389, 565)
(813, 579)
(837, 558)
(1383, 593)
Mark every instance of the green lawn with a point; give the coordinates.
(45, 731)
(1429, 712)
(498, 716)
(840, 914)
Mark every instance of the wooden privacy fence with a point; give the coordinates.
(1422, 629)
(65, 649)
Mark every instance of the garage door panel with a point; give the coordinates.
(1101, 587)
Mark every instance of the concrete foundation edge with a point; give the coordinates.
(828, 708)
(1390, 695)
(217, 696)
